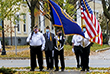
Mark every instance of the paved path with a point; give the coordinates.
(68, 63)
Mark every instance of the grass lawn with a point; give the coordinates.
(26, 53)
(96, 47)
(68, 49)
(12, 70)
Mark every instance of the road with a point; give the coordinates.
(98, 59)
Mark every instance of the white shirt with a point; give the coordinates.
(85, 41)
(77, 39)
(37, 40)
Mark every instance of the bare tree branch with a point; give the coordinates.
(28, 4)
(46, 15)
(8, 12)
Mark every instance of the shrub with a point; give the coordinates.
(6, 42)
(69, 39)
(6, 71)
(105, 38)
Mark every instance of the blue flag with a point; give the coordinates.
(62, 19)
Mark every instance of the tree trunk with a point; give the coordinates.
(32, 18)
(106, 11)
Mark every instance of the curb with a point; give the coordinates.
(69, 71)
(102, 49)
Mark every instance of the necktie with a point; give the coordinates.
(83, 44)
(58, 44)
(48, 35)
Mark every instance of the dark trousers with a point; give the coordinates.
(61, 54)
(33, 51)
(49, 59)
(86, 52)
(78, 54)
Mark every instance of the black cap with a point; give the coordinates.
(47, 27)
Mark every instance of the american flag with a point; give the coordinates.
(92, 25)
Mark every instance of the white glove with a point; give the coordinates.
(73, 50)
(42, 48)
(52, 53)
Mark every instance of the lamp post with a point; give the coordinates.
(15, 40)
(94, 7)
(3, 39)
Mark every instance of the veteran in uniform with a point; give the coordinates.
(86, 44)
(37, 45)
(76, 44)
(59, 50)
(49, 47)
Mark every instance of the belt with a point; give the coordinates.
(78, 46)
(36, 46)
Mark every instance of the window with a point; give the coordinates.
(17, 23)
(24, 25)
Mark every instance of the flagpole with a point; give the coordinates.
(81, 17)
(94, 7)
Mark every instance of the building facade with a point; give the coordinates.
(22, 29)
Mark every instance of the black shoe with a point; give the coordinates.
(51, 68)
(62, 69)
(41, 70)
(31, 69)
(56, 70)
(78, 66)
(82, 70)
